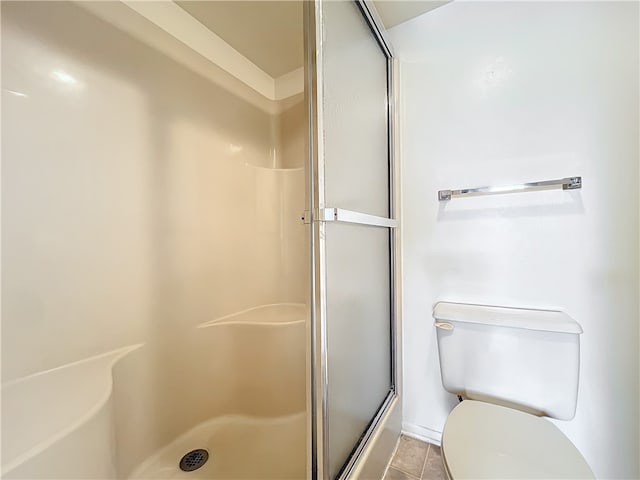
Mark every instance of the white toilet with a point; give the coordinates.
(512, 366)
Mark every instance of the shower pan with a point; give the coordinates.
(198, 241)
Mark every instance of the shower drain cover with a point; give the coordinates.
(194, 460)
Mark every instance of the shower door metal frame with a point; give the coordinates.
(317, 214)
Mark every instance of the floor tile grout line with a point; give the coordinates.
(393, 456)
(426, 457)
(396, 467)
(410, 475)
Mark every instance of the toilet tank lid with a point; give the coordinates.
(527, 318)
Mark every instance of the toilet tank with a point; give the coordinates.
(519, 358)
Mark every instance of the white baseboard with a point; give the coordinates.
(422, 433)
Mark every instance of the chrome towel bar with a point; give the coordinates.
(569, 183)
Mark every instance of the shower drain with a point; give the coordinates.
(194, 460)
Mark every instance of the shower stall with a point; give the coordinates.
(198, 240)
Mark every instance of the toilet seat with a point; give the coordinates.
(482, 440)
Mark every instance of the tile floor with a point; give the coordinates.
(415, 460)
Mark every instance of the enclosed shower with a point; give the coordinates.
(198, 240)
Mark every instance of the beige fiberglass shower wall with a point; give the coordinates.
(153, 259)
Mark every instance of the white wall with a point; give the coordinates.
(137, 198)
(500, 93)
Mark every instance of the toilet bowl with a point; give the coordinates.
(513, 366)
(482, 440)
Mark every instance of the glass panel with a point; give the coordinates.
(358, 332)
(355, 109)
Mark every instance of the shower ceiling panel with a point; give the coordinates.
(270, 34)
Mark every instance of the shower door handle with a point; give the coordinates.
(347, 216)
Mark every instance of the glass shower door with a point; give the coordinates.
(351, 216)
